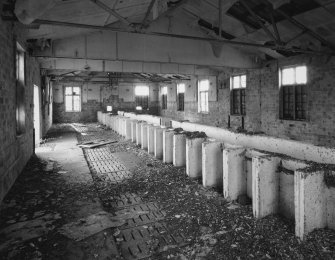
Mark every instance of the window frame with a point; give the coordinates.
(20, 83)
(181, 97)
(298, 91)
(239, 91)
(142, 99)
(80, 99)
(200, 94)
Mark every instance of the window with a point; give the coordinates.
(142, 97)
(180, 96)
(203, 96)
(238, 85)
(164, 97)
(20, 89)
(293, 96)
(72, 99)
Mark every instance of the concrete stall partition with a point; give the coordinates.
(133, 130)
(151, 139)
(330, 197)
(127, 130)
(144, 136)
(234, 174)
(310, 203)
(212, 175)
(168, 145)
(179, 149)
(194, 154)
(265, 185)
(158, 142)
(139, 132)
(286, 186)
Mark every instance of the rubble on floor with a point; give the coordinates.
(154, 212)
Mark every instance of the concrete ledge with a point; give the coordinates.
(212, 175)
(194, 156)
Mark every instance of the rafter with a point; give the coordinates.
(151, 5)
(305, 29)
(112, 12)
(258, 20)
(179, 36)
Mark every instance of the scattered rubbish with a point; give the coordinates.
(117, 232)
(32, 191)
(26, 230)
(91, 225)
(233, 206)
(94, 144)
(243, 200)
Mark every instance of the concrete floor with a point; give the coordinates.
(118, 202)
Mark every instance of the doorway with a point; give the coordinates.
(37, 122)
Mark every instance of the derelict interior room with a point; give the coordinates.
(167, 129)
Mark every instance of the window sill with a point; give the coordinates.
(294, 120)
(72, 111)
(240, 115)
(204, 113)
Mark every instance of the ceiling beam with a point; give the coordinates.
(151, 5)
(220, 17)
(112, 12)
(170, 10)
(179, 36)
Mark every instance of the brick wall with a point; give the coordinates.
(97, 97)
(15, 150)
(262, 102)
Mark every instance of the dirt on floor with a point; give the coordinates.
(55, 211)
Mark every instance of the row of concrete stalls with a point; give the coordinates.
(257, 168)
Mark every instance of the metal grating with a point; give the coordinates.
(107, 166)
(134, 246)
(119, 176)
